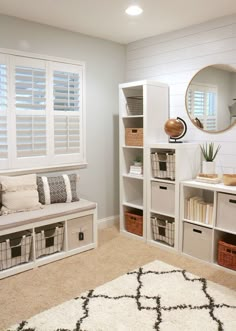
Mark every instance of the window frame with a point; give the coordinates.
(46, 165)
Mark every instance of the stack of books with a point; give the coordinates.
(136, 170)
(208, 178)
(198, 210)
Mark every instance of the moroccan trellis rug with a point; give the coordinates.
(156, 296)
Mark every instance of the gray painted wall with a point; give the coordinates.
(105, 65)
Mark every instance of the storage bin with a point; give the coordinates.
(163, 230)
(134, 223)
(15, 249)
(197, 241)
(163, 165)
(134, 105)
(134, 136)
(226, 211)
(49, 239)
(227, 254)
(163, 198)
(80, 231)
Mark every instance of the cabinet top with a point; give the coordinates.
(140, 83)
(180, 146)
(209, 186)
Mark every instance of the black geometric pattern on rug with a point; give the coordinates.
(159, 308)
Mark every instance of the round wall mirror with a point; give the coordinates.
(211, 98)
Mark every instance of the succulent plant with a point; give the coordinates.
(208, 151)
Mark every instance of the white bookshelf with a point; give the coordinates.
(133, 189)
(163, 194)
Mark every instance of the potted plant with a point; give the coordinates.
(138, 161)
(209, 153)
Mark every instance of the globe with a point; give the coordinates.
(175, 128)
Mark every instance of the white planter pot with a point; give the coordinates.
(208, 167)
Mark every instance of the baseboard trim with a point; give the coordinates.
(108, 222)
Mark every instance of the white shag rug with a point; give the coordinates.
(156, 296)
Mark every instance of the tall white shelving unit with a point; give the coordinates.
(154, 113)
(163, 195)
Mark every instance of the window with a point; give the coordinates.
(202, 103)
(41, 113)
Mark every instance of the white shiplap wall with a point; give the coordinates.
(174, 58)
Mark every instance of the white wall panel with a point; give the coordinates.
(174, 58)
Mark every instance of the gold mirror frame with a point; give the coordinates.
(196, 122)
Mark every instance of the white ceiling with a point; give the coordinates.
(106, 18)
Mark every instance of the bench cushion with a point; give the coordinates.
(47, 212)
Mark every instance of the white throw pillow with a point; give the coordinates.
(19, 193)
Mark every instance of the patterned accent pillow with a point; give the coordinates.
(57, 189)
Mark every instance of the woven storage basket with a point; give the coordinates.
(135, 105)
(134, 136)
(134, 223)
(227, 255)
(229, 179)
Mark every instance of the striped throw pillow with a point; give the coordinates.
(57, 189)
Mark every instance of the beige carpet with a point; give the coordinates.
(31, 292)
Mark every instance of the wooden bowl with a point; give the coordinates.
(229, 179)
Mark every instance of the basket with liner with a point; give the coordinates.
(49, 239)
(163, 165)
(163, 229)
(15, 249)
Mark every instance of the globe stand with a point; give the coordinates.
(176, 139)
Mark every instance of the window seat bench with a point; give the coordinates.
(32, 238)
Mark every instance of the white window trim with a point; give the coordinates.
(55, 167)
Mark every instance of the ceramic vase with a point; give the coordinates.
(208, 167)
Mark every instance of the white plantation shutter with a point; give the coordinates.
(30, 109)
(66, 91)
(31, 135)
(3, 137)
(3, 86)
(67, 110)
(3, 110)
(202, 103)
(30, 88)
(67, 134)
(41, 113)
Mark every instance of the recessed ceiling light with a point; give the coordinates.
(134, 10)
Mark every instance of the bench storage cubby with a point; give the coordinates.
(33, 238)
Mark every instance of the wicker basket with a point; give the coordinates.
(134, 136)
(134, 223)
(135, 105)
(229, 179)
(227, 255)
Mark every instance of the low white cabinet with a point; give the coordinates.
(32, 239)
(208, 217)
